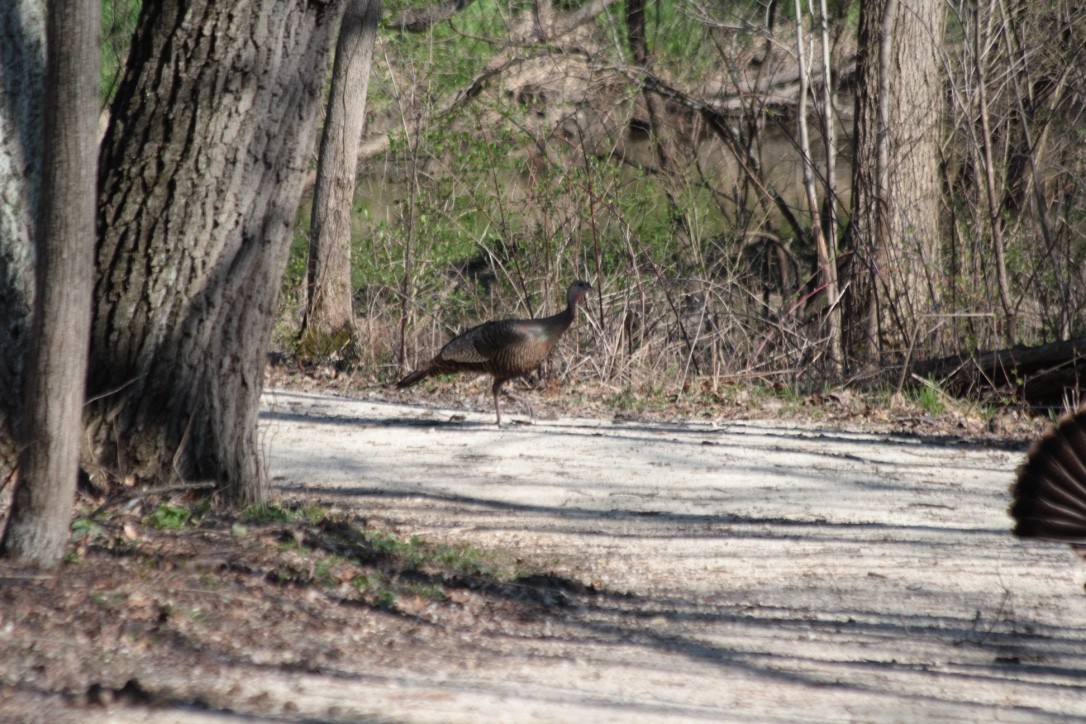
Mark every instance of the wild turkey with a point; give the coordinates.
(505, 348)
(1049, 495)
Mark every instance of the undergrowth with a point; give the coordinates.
(298, 543)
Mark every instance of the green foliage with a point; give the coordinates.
(85, 528)
(417, 554)
(636, 400)
(118, 24)
(414, 557)
(295, 277)
(676, 37)
(273, 513)
(706, 268)
(196, 615)
(449, 54)
(330, 550)
(170, 517)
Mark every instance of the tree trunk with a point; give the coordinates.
(981, 39)
(825, 251)
(329, 319)
(203, 165)
(662, 136)
(50, 431)
(893, 272)
(22, 78)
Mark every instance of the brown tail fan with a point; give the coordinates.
(1049, 494)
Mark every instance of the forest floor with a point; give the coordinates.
(422, 564)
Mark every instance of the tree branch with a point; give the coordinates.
(419, 20)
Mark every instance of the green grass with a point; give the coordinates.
(449, 54)
(311, 513)
(928, 397)
(380, 565)
(415, 554)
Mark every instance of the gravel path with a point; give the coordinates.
(746, 571)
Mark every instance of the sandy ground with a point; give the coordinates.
(738, 571)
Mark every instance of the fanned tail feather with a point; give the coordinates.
(1049, 495)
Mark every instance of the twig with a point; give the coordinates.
(202, 485)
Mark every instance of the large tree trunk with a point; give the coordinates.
(203, 166)
(22, 77)
(894, 269)
(328, 326)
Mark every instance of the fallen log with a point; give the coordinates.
(1045, 375)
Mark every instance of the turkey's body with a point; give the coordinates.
(504, 349)
(1049, 495)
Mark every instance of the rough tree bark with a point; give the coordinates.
(22, 77)
(49, 432)
(203, 165)
(328, 326)
(893, 269)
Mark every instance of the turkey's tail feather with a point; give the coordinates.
(416, 376)
(1049, 495)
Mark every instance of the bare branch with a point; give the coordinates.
(419, 20)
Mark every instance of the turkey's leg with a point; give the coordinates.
(497, 391)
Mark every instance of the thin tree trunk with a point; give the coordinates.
(980, 46)
(329, 311)
(37, 529)
(203, 166)
(912, 282)
(827, 268)
(666, 152)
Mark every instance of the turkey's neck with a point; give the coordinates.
(563, 319)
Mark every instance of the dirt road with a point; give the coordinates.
(736, 571)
